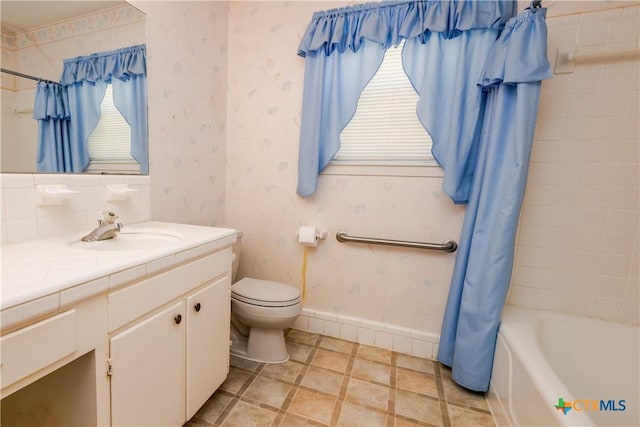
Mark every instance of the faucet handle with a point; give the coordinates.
(108, 217)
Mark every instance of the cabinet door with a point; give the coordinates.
(147, 381)
(208, 317)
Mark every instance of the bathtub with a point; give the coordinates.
(543, 356)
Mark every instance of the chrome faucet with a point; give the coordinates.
(107, 228)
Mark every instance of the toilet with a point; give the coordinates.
(260, 311)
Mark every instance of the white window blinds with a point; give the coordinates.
(111, 139)
(385, 128)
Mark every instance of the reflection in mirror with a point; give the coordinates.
(37, 36)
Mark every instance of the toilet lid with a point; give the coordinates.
(265, 292)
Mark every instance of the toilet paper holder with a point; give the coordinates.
(309, 235)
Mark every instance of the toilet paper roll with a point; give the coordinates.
(308, 236)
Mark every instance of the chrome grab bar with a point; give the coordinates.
(446, 246)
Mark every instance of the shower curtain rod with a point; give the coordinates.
(25, 76)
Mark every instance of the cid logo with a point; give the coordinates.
(590, 405)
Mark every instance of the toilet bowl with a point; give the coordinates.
(260, 311)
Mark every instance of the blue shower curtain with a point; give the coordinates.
(511, 80)
(51, 110)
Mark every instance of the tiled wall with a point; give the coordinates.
(577, 248)
(23, 219)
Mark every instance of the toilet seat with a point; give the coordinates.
(265, 293)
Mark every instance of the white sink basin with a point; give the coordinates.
(130, 242)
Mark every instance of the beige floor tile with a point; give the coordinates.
(415, 363)
(320, 368)
(248, 415)
(213, 407)
(298, 352)
(460, 395)
(336, 344)
(331, 360)
(235, 380)
(417, 382)
(401, 422)
(314, 405)
(357, 416)
(368, 394)
(374, 354)
(419, 408)
(287, 371)
(268, 391)
(371, 371)
(197, 422)
(247, 365)
(463, 417)
(322, 379)
(292, 420)
(302, 337)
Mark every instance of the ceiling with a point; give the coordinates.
(21, 16)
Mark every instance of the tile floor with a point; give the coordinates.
(331, 382)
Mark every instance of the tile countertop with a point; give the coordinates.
(42, 275)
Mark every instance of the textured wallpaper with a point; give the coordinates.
(187, 59)
(401, 287)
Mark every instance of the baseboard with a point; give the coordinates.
(377, 334)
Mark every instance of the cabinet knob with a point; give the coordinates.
(197, 307)
(178, 319)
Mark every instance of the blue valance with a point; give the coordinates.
(51, 102)
(388, 23)
(520, 54)
(120, 64)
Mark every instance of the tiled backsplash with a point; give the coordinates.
(23, 219)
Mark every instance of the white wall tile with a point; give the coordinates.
(421, 348)
(366, 336)
(349, 332)
(579, 225)
(630, 312)
(332, 329)
(24, 220)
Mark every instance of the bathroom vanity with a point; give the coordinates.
(127, 331)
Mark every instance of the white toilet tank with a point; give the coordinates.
(235, 248)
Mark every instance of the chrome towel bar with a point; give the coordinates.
(446, 246)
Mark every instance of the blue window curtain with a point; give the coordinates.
(482, 134)
(86, 79)
(343, 48)
(444, 73)
(51, 110)
(511, 79)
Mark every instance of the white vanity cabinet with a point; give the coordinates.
(169, 346)
(147, 372)
(128, 332)
(207, 345)
(55, 364)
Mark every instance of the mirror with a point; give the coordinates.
(36, 37)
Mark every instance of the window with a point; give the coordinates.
(385, 129)
(110, 142)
